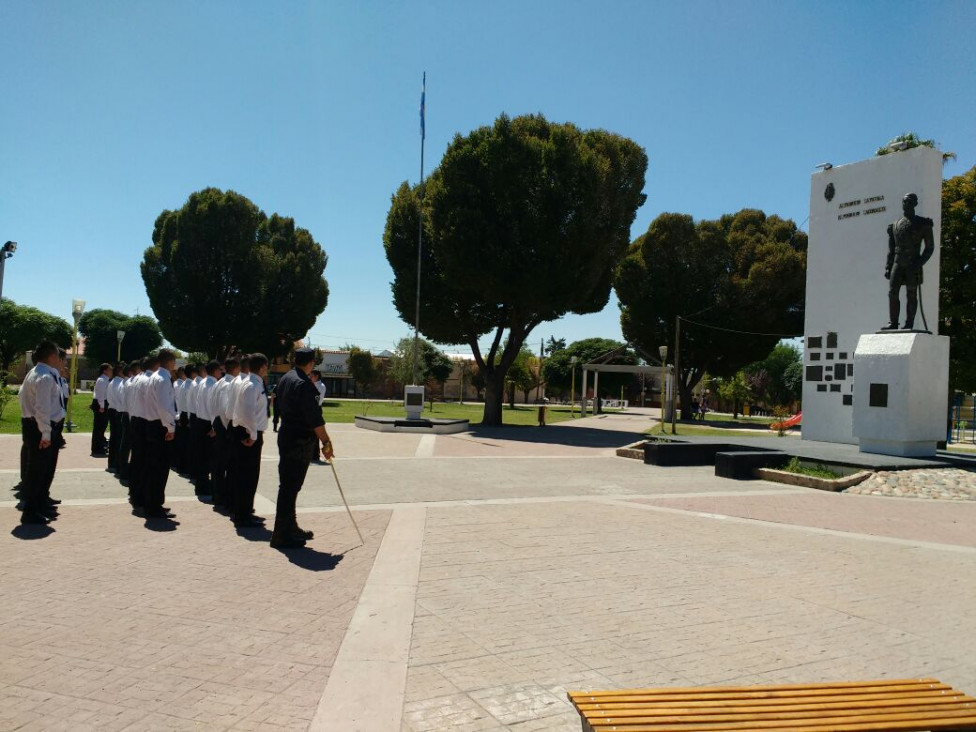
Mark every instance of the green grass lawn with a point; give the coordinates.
(744, 421)
(697, 429)
(334, 411)
(81, 413)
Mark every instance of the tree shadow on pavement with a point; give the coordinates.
(558, 435)
(313, 561)
(32, 532)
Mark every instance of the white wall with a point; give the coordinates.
(847, 293)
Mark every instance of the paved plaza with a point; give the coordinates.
(501, 568)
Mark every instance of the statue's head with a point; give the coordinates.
(909, 202)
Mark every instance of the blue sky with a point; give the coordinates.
(114, 111)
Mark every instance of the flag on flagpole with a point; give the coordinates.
(423, 96)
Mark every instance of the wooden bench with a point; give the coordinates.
(878, 706)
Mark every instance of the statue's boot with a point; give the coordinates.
(910, 309)
(894, 307)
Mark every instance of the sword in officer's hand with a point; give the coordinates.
(342, 493)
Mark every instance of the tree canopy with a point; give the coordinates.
(432, 363)
(524, 221)
(362, 367)
(782, 367)
(909, 140)
(957, 292)
(730, 279)
(23, 327)
(100, 328)
(222, 276)
(558, 374)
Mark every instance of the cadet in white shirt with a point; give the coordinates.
(220, 405)
(174, 450)
(160, 411)
(42, 397)
(183, 425)
(125, 444)
(197, 432)
(206, 434)
(114, 417)
(138, 419)
(251, 421)
(99, 406)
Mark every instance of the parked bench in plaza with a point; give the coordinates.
(878, 706)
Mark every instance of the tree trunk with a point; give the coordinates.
(494, 394)
(686, 394)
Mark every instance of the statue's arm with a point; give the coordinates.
(891, 250)
(929, 239)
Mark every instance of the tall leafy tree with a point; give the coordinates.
(222, 276)
(957, 293)
(557, 371)
(780, 367)
(23, 327)
(362, 367)
(432, 364)
(732, 279)
(524, 221)
(100, 328)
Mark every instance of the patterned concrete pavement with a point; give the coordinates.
(513, 568)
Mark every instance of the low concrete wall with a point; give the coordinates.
(809, 481)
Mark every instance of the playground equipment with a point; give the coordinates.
(787, 423)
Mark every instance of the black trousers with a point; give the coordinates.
(202, 465)
(98, 443)
(248, 473)
(114, 437)
(182, 443)
(233, 437)
(222, 491)
(125, 446)
(41, 466)
(26, 434)
(295, 453)
(157, 466)
(137, 465)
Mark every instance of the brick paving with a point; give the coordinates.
(105, 625)
(546, 564)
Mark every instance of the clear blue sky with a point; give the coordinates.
(114, 111)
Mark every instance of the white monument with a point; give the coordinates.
(413, 401)
(847, 294)
(901, 393)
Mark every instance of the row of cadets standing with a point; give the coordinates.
(137, 398)
(183, 427)
(113, 404)
(160, 416)
(43, 397)
(202, 432)
(223, 472)
(99, 406)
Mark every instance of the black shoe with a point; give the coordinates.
(33, 517)
(54, 501)
(159, 513)
(247, 523)
(299, 532)
(110, 469)
(290, 542)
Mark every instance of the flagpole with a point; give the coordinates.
(420, 228)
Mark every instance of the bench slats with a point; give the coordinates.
(901, 698)
(946, 702)
(871, 706)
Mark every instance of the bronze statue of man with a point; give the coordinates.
(905, 261)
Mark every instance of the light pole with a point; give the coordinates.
(6, 253)
(77, 310)
(119, 334)
(663, 352)
(572, 389)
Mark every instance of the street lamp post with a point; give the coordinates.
(572, 388)
(77, 310)
(119, 334)
(663, 352)
(6, 253)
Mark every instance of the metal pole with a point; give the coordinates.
(677, 373)
(664, 367)
(572, 393)
(342, 493)
(583, 394)
(72, 374)
(3, 262)
(420, 229)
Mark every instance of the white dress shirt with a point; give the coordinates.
(251, 411)
(43, 398)
(138, 403)
(204, 392)
(101, 390)
(113, 393)
(120, 398)
(178, 394)
(161, 400)
(220, 403)
(321, 387)
(191, 395)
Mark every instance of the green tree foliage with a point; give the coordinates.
(780, 390)
(23, 327)
(222, 276)
(555, 344)
(557, 370)
(432, 364)
(735, 390)
(907, 142)
(957, 293)
(100, 328)
(524, 221)
(742, 272)
(521, 374)
(362, 367)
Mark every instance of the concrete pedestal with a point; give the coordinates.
(901, 392)
(413, 401)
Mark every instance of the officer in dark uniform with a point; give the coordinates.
(905, 262)
(302, 430)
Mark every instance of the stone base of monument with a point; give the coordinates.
(421, 426)
(901, 389)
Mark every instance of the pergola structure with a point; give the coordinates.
(600, 365)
